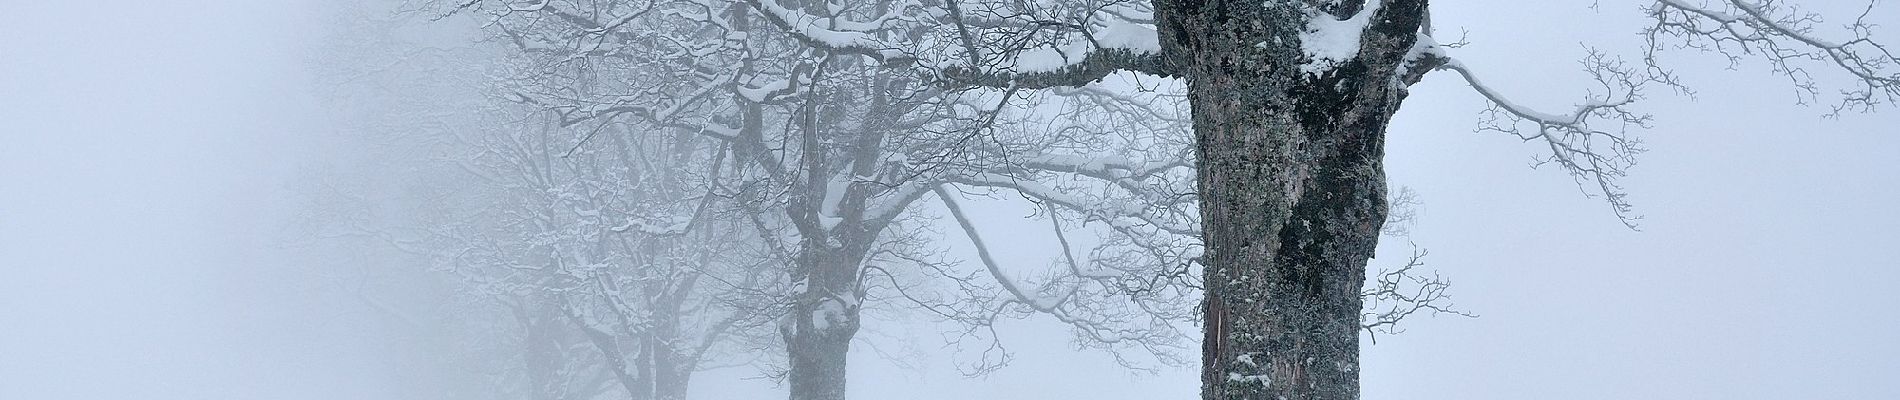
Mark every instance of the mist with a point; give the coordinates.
(147, 168)
(306, 200)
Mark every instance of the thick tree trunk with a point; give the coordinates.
(670, 377)
(1299, 218)
(824, 315)
(1292, 189)
(823, 319)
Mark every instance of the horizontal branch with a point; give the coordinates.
(1098, 64)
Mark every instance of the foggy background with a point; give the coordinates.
(155, 159)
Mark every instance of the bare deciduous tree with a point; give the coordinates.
(840, 116)
(830, 152)
(1290, 104)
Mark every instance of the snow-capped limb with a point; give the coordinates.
(1784, 36)
(890, 205)
(1119, 38)
(1425, 56)
(1015, 48)
(1092, 67)
(1116, 26)
(1108, 168)
(774, 90)
(1757, 20)
(1114, 44)
(835, 34)
(1400, 21)
(1776, 32)
(840, 182)
(1526, 113)
(1591, 155)
(1126, 34)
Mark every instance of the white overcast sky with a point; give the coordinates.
(146, 151)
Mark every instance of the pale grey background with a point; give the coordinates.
(147, 153)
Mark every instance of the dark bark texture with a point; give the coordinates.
(1291, 183)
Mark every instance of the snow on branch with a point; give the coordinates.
(1595, 157)
(1783, 35)
(988, 44)
(835, 34)
(1008, 45)
(1108, 168)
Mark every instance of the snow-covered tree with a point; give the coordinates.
(602, 271)
(839, 116)
(832, 156)
(1290, 103)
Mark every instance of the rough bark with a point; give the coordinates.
(1292, 188)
